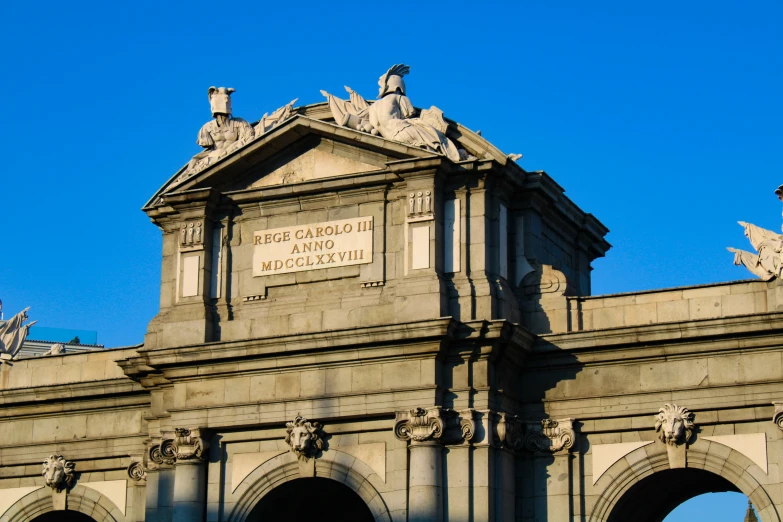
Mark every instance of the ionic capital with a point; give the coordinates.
(191, 444)
(549, 435)
(444, 425)
(778, 417)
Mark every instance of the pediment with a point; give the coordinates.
(300, 150)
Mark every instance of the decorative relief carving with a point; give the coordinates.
(778, 417)
(674, 424)
(136, 471)
(306, 438)
(58, 473)
(192, 234)
(549, 435)
(163, 453)
(372, 284)
(420, 203)
(435, 424)
(509, 432)
(190, 444)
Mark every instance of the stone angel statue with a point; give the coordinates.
(13, 334)
(768, 263)
(394, 117)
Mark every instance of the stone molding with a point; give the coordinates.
(436, 424)
(777, 418)
(549, 435)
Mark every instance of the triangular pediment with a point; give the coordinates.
(298, 151)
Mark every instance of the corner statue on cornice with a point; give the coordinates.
(13, 334)
(225, 133)
(768, 263)
(394, 117)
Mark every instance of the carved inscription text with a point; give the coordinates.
(312, 247)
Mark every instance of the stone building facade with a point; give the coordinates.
(359, 328)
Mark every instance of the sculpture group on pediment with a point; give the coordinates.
(767, 264)
(394, 117)
(13, 334)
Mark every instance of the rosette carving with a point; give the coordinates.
(549, 435)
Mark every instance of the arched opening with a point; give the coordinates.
(63, 516)
(300, 499)
(713, 506)
(655, 496)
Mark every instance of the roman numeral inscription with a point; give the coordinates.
(311, 247)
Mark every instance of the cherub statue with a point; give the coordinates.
(768, 263)
(222, 135)
(394, 117)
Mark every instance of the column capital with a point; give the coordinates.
(549, 435)
(191, 444)
(435, 424)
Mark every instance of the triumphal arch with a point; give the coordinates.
(370, 313)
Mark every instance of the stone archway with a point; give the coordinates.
(336, 466)
(80, 500)
(296, 500)
(641, 486)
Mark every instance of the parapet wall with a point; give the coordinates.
(573, 314)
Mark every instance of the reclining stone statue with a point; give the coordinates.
(13, 334)
(768, 263)
(394, 117)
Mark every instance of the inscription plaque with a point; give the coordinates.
(315, 246)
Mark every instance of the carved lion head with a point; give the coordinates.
(674, 424)
(304, 437)
(58, 472)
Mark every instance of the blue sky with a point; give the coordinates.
(661, 118)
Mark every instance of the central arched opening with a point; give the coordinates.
(63, 516)
(655, 496)
(300, 500)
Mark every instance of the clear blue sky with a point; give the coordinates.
(661, 118)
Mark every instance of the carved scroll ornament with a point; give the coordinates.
(136, 471)
(435, 424)
(510, 433)
(190, 444)
(549, 436)
(163, 453)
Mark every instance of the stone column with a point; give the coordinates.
(427, 429)
(550, 441)
(159, 478)
(190, 477)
